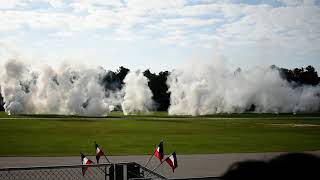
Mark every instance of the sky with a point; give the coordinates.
(161, 34)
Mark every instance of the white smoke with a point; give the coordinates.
(199, 89)
(196, 89)
(67, 90)
(138, 96)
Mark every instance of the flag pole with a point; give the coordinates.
(85, 165)
(99, 167)
(151, 156)
(153, 170)
(157, 166)
(103, 154)
(149, 159)
(107, 158)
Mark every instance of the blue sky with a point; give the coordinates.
(161, 35)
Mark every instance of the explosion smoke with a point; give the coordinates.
(196, 89)
(138, 96)
(200, 89)
(68, 90)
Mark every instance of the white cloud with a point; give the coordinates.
(92, 5)
(287, 25)
(15, 20)
(189, 22)
(196, 10)
(4, 4)
(56, 3)
(297, 2)
(155, 4)
(61, 34)
(293, 27)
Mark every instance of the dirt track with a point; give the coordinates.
(205, 165)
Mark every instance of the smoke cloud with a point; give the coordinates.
(196, 89)
(69, 89)
(200, 89)
(138, 96)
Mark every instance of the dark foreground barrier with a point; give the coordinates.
(121, 171)
(290, 166)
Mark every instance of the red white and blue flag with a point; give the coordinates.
(85, 161)
(99, 153)
(159, 153)
(172, 161)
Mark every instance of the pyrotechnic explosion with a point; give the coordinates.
(69, 89)
(200, 89)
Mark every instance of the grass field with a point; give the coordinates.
(57, 135)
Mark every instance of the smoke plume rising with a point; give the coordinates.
(68, 90)
(199, 89)
(138, 96)
(196, 89)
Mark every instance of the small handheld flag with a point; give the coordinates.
(172, 161)
(99, 152)
(159, 153)
(85, 161)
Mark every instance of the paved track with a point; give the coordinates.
(205, 165)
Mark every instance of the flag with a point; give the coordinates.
(159, 151)
(85, 161)
(99, 153)
(172, 161)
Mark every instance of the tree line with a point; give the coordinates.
(113, 81)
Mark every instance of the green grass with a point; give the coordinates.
(58, 135)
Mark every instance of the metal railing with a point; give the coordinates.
(121, 171)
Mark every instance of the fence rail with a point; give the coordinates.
(121, 171)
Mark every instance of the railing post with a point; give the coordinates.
(124, 172)
(105, 172)
(114, 172)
